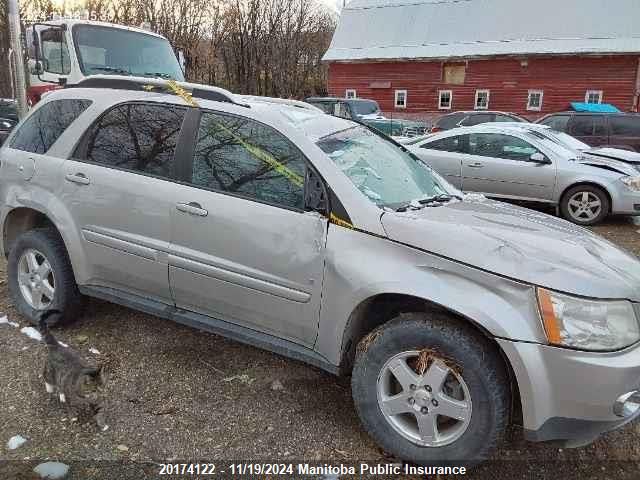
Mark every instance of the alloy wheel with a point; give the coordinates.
(36, 279)
(584, 206)
(429, 406)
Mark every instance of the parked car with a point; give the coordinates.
(9, 109)
(368, 112)
(320, 239)
(474, 117)
(8, 117)
(523, 163)
(6, 125)
(619, 130)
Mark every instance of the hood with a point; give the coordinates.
(609, 163)
(521, 244)
(373, 116)
(614, 154)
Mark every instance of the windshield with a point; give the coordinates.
(105, 50)
(560, 138)
(364, 107)
(381, 170)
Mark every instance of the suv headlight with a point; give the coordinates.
(633, 183)
(597, 325)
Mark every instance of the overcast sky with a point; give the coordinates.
(335, 5)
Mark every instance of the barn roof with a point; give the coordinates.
(391, 29)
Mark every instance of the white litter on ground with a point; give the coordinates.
(15, 442)
(94, 351)
(5, 321)
(31, 333)
(52, 470)
(63, 344)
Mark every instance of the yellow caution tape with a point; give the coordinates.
(340, 222)
(293, 177)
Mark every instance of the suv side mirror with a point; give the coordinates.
(539, 158)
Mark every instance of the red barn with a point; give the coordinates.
(531, 58)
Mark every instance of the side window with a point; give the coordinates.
(497, 145)
(40, 131)
(449, 144)
(241, 156)
(582, 125)
(55, 52)
(600, 126)
(137, 137)
(625, 126)
(557, 122)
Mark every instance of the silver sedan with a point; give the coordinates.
(527, 162)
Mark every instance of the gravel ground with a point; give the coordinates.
(175, 393)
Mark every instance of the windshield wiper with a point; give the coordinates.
(434, 201)
(111, 69)
(157, 74)
(442, 198)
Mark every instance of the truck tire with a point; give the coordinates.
(455, 412)
(41, 278)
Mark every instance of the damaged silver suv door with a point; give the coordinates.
(243, 247)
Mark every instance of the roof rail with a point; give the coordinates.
(282, 101)
(146, 84)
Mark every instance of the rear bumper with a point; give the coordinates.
(570, 395)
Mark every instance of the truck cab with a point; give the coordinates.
(66, 51)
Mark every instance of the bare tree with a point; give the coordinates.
(263, 47)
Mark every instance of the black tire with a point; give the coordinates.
(67, 298)
(591, 190)
(482, 369)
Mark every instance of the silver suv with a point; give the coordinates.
(321, 240)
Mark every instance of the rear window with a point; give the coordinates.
(477, 119)
(557, 122)
(41, 130)
(449, 121)
(627, 126)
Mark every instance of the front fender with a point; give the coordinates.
(360, 266)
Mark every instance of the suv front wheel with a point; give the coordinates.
(431, 390)
(41, 277)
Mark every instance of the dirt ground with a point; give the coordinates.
(175, 394)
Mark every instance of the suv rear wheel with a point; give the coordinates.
(430, 390)
(41, 277)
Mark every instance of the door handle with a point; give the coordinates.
(79, 178)
(476, 165)
(192, 208)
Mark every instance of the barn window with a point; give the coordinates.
(453, 74)
(482, 99)
(593, 96)
(445, 99)
(534, 101)
(350, 93)
(401, 99)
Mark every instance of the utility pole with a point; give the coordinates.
(15, 38)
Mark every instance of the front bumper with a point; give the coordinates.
(624, 201)
(570, 395)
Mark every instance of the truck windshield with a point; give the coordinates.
(106, 50)
(381, 170)
(365, 107)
